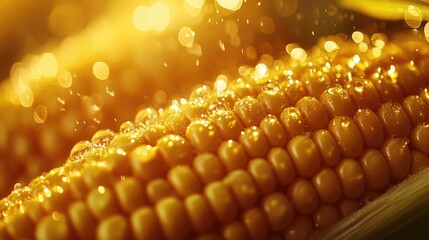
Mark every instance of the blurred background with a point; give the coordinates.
(71, 67)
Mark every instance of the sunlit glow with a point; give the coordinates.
(363, 47)
(101, 189)
(356, 59)
(160, 15)
(186, 37)
(101, 70)
(65, 79)
(413, 16)
(141, 18)
(376, 52)
(379, 43)
(232, 5)
(298, 54)
(261, 70)
(331, 46)
(49, 65)
(357, 37)
(391, 70)
(156, 17)
(195, 3)
(26, 97)
(221, 83)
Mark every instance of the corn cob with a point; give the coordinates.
(281, 152)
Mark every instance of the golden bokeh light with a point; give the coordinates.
(101, 70)
(186, 37)
(49, 65)
(40, 114)
(232, 5)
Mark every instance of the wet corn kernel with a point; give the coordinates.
(250, 111)
(256, 223)
(279, 211)
(375, 169)
(53, 227)
(314, 113)
(315, 83)
(102, 202)
(305, 155)
(146, 163)
(338, 101)
(326, 216)
(347, 206)
(263, 175)
(209, 168)
(300, 229)
(293, 121)
(221, 201)
(184, 181)
(173, 218)
(394, 119)
(351, 177)
(347, 135)
(113, 227)
(203, 135)
(228, 124)
(281, 159)
(158, 189)
(145, 224)
(398, 156)
(232, 155)
(417, 110)
(242, 185)
(418, 136)
(82, 221)
(370, 127)
(130, 194)
(419, 161)
(363, 94)
(273, 99)
(175, 150)
(234, 230)
(274, 131)
(327, 185)
(254, 142)
(200, 213)
(282, 165)
(328, 147)
(303, 196)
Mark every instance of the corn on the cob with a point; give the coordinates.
(272, 158)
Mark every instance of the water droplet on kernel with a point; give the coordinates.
(146, 116)
(127, 127)
(216, 107)
(271, 87)
(80, 150)
(345, 122)
(102, 138)
(17, 186)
